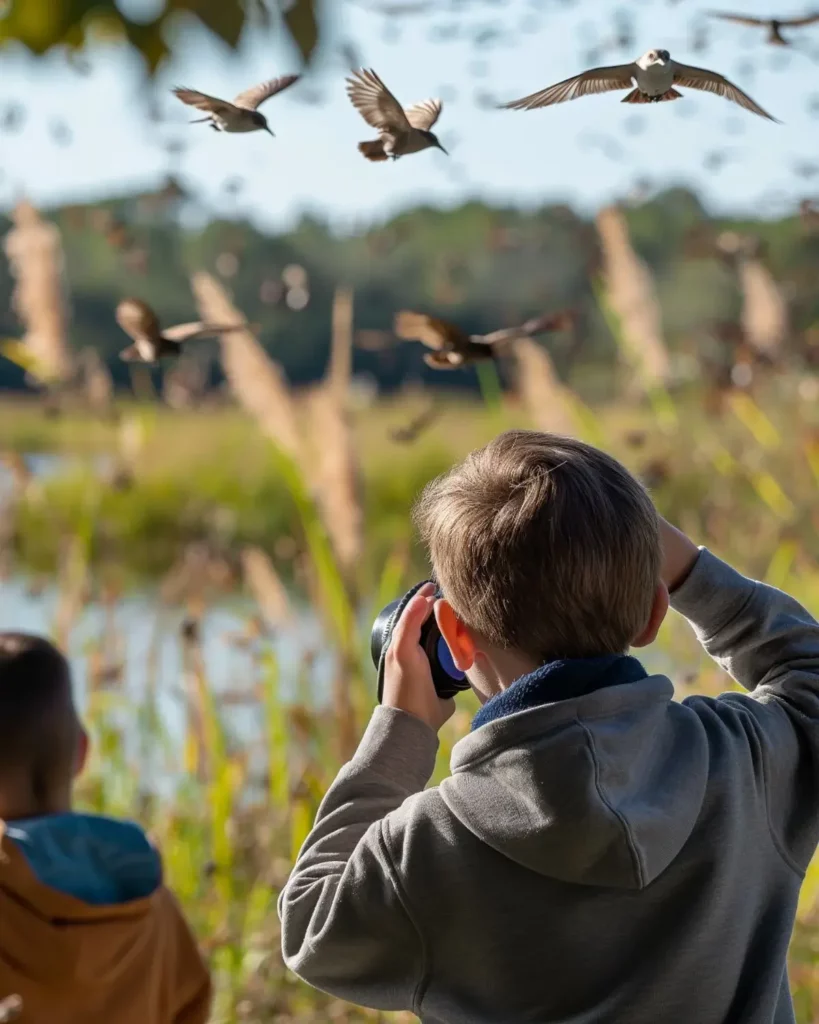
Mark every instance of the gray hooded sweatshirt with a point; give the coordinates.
(614, 856)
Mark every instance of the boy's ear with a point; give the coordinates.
(659, 609)
(458, 638)
(83, 744)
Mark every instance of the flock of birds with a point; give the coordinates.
(655, 77)
(451, 346)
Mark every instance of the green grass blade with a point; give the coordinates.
(277, 733)
(490, 385)
(331, 582)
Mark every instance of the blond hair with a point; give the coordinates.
(544, 544)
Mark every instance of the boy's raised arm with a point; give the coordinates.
(770, 645)
(345, 927)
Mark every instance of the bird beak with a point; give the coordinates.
(442, 149)
(268, 130)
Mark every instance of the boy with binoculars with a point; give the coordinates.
(600, 851)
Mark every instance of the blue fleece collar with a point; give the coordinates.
(560, 680)
(101, 861)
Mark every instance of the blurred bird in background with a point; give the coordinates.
(151, 343)
(453, 348)
(417, 425)
(773, 25)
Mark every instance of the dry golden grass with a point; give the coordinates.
(97, 382)
(335, 474)
(764, 310)
(632, 297)
(334, 464)
(74, 583)
(185, 383)
(34, 251)
(254, 378)
(544, 396)
(341, 352)
(266, 586)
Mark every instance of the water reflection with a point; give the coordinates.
(145, 638)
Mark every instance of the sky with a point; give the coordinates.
(586, 152)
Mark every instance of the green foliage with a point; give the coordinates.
(41, 25)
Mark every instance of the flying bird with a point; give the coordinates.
(453, 348)
(773, 25)
(400, 131)
(416, 426)
(651, 79)
(242, 114)
(151, 343)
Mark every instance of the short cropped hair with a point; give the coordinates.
(544, 544)
(39, 725)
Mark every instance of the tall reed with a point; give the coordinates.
(630, 292)
(255, 379)
(34, 251)
(550, 404)
(764, 317)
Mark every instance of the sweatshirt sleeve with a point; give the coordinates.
(346, 925)
(770, 645)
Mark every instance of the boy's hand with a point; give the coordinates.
(679, 555)
(408, 682)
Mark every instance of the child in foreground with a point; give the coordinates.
(600, 852)
(88, 933)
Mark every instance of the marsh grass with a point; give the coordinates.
(215, 480)
(213, 498)
(232, 811)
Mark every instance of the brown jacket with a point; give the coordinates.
(72, 961)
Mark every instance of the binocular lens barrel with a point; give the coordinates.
(446, 676)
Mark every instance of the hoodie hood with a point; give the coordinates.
(75, 896)
(592, 789)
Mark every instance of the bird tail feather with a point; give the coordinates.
(373, 150)
(635, 96)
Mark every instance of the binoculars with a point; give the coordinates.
(446, 677)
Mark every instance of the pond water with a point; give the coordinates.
(144, 638)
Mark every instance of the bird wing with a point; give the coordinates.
(709, 81)
(424, 115)
(201, 100)
(198, 329)
(608, 79)
(417, 425)
(538, 325)
(498, 337)
(808, 19)
(740, 19)
(430, 331)
(254, 97)
(560, 321)
(374, 101)
(137, 319)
